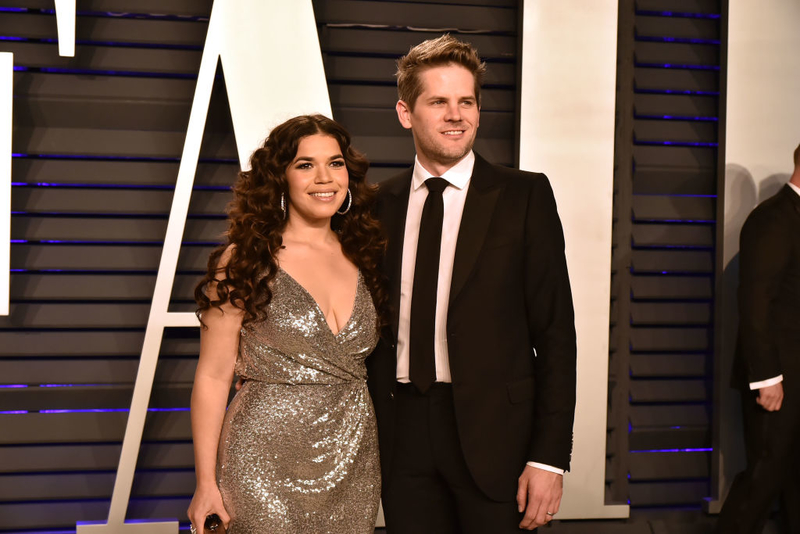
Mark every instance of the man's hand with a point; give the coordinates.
(771, 397)
(538, 493)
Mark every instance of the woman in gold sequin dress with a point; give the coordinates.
(289, 305)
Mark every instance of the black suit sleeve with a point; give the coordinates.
(551, 322)
(764, 257)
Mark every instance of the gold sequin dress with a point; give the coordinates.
(298, 451)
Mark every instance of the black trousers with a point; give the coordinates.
(772, 446)
(430, 489)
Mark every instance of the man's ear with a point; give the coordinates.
(403, 114)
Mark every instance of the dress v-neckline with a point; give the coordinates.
(319, 308)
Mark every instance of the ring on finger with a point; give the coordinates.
(551, 514)
(192, 529)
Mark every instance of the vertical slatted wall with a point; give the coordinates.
(96, 145)
(664, 271)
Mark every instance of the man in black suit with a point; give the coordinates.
(474, 379)
(767, 364)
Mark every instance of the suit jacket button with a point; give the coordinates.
(391, 394)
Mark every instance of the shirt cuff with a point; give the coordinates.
(766, 383)
(546, 467)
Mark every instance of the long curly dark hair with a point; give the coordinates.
(256, 223)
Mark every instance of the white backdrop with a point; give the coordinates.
(567, 131)
(762, 131)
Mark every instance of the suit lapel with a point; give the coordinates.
(393, 217)
(478, 209)
(794, 198)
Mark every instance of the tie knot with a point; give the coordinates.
(436, 185)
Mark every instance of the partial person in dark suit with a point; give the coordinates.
(767, 364)
(474, 380)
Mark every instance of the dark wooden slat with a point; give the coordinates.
(673, 208)
(94, 344)
(660, 235)
(94, 315)
(675, 105)
(679, 6)
(669, 438)
(683, 390)
(103, 114)
(92, 457)
(671, 261)
(34, 372)
(669, 466)
(679, 158)
(674, 181)
(175, 7)
(676, 54)
(40, 515)
(99, 29)
(675, 131)
(670, 313)
(42, 85)
(92, 486)
(103, 258)
(140, 173)
(669, 493)
(89, 427)
(671, 287)
(93, 287)
(106, 58)
(676, 27)
(90, 397)
(676, 79)
(113, 201)
(683, 415)
(670, 339)
(485, 17)
(112, 230)
(114, 143)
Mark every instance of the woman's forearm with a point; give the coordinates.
(209, 398)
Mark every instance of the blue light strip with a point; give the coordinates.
(89, 410)
(703, 449)
(145, 159)
(676, 118)
(677, 66)
(684, 40)
(13, 9)
(129, 243)
(675, 92)
(164, 187)
(675, 143)
(712, 16)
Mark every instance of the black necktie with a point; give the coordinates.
(422, 368)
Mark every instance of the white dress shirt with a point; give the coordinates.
(777, 379)
(454, 196)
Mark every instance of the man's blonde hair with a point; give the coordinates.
(444, 50)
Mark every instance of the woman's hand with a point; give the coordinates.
(206, 501)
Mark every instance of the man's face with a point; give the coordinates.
(445, 117)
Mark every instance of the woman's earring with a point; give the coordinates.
(283, 205)
(349, 203)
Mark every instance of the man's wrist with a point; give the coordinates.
(545, 467)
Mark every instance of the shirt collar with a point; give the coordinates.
(458, 175)
(796, 189)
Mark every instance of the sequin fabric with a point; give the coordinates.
(298, 451)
